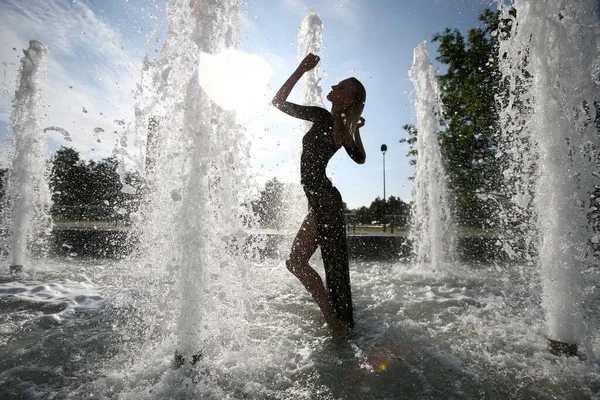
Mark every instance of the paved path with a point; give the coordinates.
(120, 226)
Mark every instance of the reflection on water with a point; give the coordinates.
(86, 329)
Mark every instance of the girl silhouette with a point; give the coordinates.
(324, 225)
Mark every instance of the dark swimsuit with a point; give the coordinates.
(326, 203)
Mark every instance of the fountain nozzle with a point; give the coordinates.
(562, 348)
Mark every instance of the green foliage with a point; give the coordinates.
(89, 190)
(469, 139)
(411, 140)
(379, 210)
(364, 215)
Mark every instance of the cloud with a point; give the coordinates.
(90, 76)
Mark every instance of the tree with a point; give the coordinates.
(89, 190)
(399, 209)
(364, 215)
(269, 205)
(378, 209)
(469, 139)
(411, 140)
(68, 182)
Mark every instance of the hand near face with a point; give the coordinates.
(361, 122)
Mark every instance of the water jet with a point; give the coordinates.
(432, 229)
(551, 138)
(28, 193)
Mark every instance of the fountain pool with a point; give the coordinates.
(84, 329)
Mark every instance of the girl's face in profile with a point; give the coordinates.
(342, 94)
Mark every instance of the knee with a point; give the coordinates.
(296, 266)
(290, 266)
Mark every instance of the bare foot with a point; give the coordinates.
(336, 324)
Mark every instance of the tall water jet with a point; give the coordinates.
(432, 230)
(192, 225)
(310, 40)
(28, 192)
(556, 43)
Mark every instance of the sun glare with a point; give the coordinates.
(234, 80)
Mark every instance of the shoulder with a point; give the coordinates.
(309, 113)
(319, 112)
(322, 115)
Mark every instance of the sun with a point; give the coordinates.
(235, 80)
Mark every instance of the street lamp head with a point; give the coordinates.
(383, 148)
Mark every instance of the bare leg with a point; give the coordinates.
(303, 247)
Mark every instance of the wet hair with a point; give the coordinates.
(355, 110)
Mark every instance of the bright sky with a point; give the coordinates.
(95, 57)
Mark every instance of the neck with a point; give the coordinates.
(337, 111)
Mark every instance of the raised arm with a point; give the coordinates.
(280, 99)
(354, 146)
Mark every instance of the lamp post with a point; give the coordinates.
(383, 151)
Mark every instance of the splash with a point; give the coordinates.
(432, 228)
(192, 226)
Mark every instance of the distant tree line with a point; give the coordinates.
(271, 206)
(394, 210)
(86, 190)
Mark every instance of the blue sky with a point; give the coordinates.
(95, 58)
